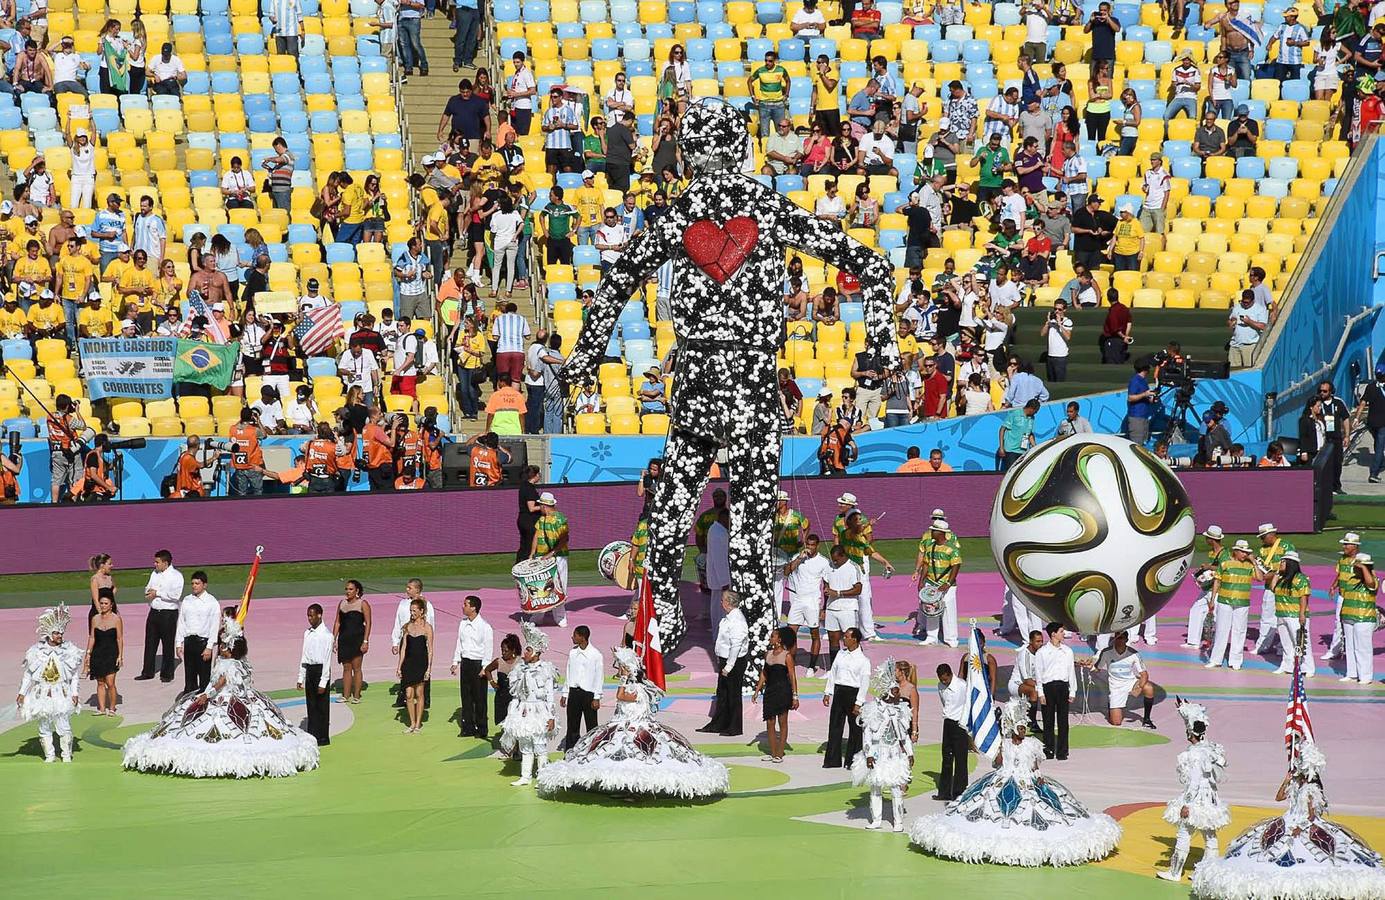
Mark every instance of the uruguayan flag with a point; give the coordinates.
(982, 723)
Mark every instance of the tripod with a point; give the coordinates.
(1177, 430)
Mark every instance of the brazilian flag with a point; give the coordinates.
(201, 363)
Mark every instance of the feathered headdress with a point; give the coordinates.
(231, 631)
(1195, 720)
(883, 679)
(628, 660)
(1014, 715)
(533, 637)
(1310, 760)
(55, 619)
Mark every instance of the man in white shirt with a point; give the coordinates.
(358, 368)
(475, 648)
(847, 680)
(69, 70)
(167, 74)
(1057, 330)
(1056, 673)
(412, 591)
(238, 186)
(315, 675)
(806, 573)
(808, 22)
(877, 150)
(521, 91)
(199, 623)
(952, 695)
(1023, 679)
(718, 564)
(150, 232)
(1186, 83)
(1126, 677)
(1004, 291)
(620, 98)
(841, 599)
(313, 299)
(732, 650)
(582, 696)
(829, 205)
(1154, 211)
(611, 239)
(164, 591)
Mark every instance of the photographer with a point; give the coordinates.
(1139, 403)
(95, 484)
(1216, 440)
(66, 430)
(408, 445)
(486, 468)
(187, 474)
(1057, 328)
(320, 461)
(10, 467)
(431, 437)
(247, 458)
(1248, 322)
(837, 450)
(379, 451)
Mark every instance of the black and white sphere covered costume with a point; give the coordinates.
(726, 235)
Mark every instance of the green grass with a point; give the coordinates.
(395, 815)
(325, 578)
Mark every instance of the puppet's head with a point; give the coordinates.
(712, 134)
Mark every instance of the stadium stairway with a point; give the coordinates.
(424, 97)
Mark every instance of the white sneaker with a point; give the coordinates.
(927, 642)
(812, 673)
(49, 759)
(1346, 678)
(872, 826)
(899, 826)
(1152, 641)
(1190, 646)
(67, 757)
(1366, 681)
(1169, 876)
(562, 623)
(520, 783)
(952, 644)
(1211, 665)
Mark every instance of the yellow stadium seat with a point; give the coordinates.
(624, 423)
(1146, 298)
(166, 427)
(591, 423)
(1179, 299)
(654, 423)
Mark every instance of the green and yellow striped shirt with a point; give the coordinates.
(1288, 597)
(859, 547)
(1358, 601)
(790, 530)
(1271, 555)
(549, 532)
(1233, 582)
(639, 543)
(939, 556)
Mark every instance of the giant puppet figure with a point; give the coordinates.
(726, 235)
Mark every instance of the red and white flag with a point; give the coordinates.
(647, 645)
(319, 329)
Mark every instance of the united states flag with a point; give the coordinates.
(198, 306)
(1297, 726)
(319, 329)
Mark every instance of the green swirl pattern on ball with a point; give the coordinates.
(1064, 486)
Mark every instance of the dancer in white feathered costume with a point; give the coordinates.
(1015, 816)
(1299, 855)
(634, 753)
(531, 722)
(228, 730)
(886, 760)
(1198, 808)
(48, 687)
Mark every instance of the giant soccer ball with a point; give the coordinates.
(1092, 531)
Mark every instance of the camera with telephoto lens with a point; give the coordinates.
(220, 445)
(14, 446)
(126, 444)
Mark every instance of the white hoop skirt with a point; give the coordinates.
(231, 732)
(1016, 817)
(1322, 861)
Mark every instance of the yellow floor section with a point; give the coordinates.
(1148, 839)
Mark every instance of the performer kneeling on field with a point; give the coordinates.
(1198, 808)
(1126, 677)
(1024, 678)
(48, 689)
(806, 573)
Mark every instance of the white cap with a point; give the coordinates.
(1126, 208)
(25, 289)
(781, 495)
(430, 160)
(80, 231)
(1351, 538)
(940, 525)
(944, 123)
(47, 294)
(938, 513)
(1292, 554)
(1214, 532)
(122, 247)
(824, 392)
(1241, 545)
(547, 499)
(928, 151)
(847, 498)
(6, 207)
(1267, 528)
(81, 132)
(31, 220)
(218, 307)
(127, 323)
(1365, 559)
(588, 175)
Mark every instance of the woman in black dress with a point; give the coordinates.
(497, 672)
(105, 650)
(415, 662)
(779, 688)
(351, 634)
(102, 568)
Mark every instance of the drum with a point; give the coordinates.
(606, 559)
(931, 599)
(1204, 579)
(536, 580)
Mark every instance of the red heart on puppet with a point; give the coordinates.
(720, 250)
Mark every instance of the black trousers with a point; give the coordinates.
(473, 699)
(726, 705)
(839, 715)
(197, 672)
(1056, 719)
(952, 780)
(381, 477)
(160, 628)
(526, 539)
(1057, 368)
(579, 708)
(319, 704)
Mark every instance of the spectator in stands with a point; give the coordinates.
(594, 146)
(1073, 422)
(611, 239)
(522, 91)
(357, 368)
(280, 165)
(1024, 384)
(238, 186)
(1140, 398)
(1184, 87)
(822, 412)
(300, 415)
(830, 206)
(1127, 241)
(167, 74)
(1103, 27)
(1057, 330)
(769, 86)
(808, 22)
(409, 26)
(974, 396)
(935, 390)
(1209, 139)
(1073, 178)
(562, 128)
(109, 229)
(876, 150)
(1234, 31)
(1092, 230)
(784, 149)
(286, 20)
(149, 230)
(1096, 115)
(1222, 80)
(994, 161)
(47, 319)
(622, 150)
(1292, 38)
(651, 391)
(1036, 21)
(865, 22)
(137, 287)
(69, 69)
(470, 354)
(466, 19)
(1248, 321)
(826, 109)
(850, 414)
(94, 321)
(1243, 133)
(14, 323)
(860, 109)
(900, 393)
(1116, 330)
(31, 73)
(559, 222)
(467, 114)
(1017, 432)
(352, 210)
(1129, 124)
(1002, 114)
(227, 262)
(510, 331)
(32, 270)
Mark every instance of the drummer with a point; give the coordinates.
(551, 542)
(790, 528)
(939, 561)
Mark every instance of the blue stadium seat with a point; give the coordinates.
(711, 11)
(321, 367)
(564, 291)
(681, 12)
(586, 255)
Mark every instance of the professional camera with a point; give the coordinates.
(127, 444)
(14, 445)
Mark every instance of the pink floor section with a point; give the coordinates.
(1247, 707)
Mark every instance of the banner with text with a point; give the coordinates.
(128, 367)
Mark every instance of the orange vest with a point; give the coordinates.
(485, 467)
(85, 488)
(432, 453)
(346, 455)
(188, 478)
(320, 458)
(376, 452)
(410, 451)
(61, 429)
(9, 487)
(249, 455)
(834, 445)
(408, 484)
